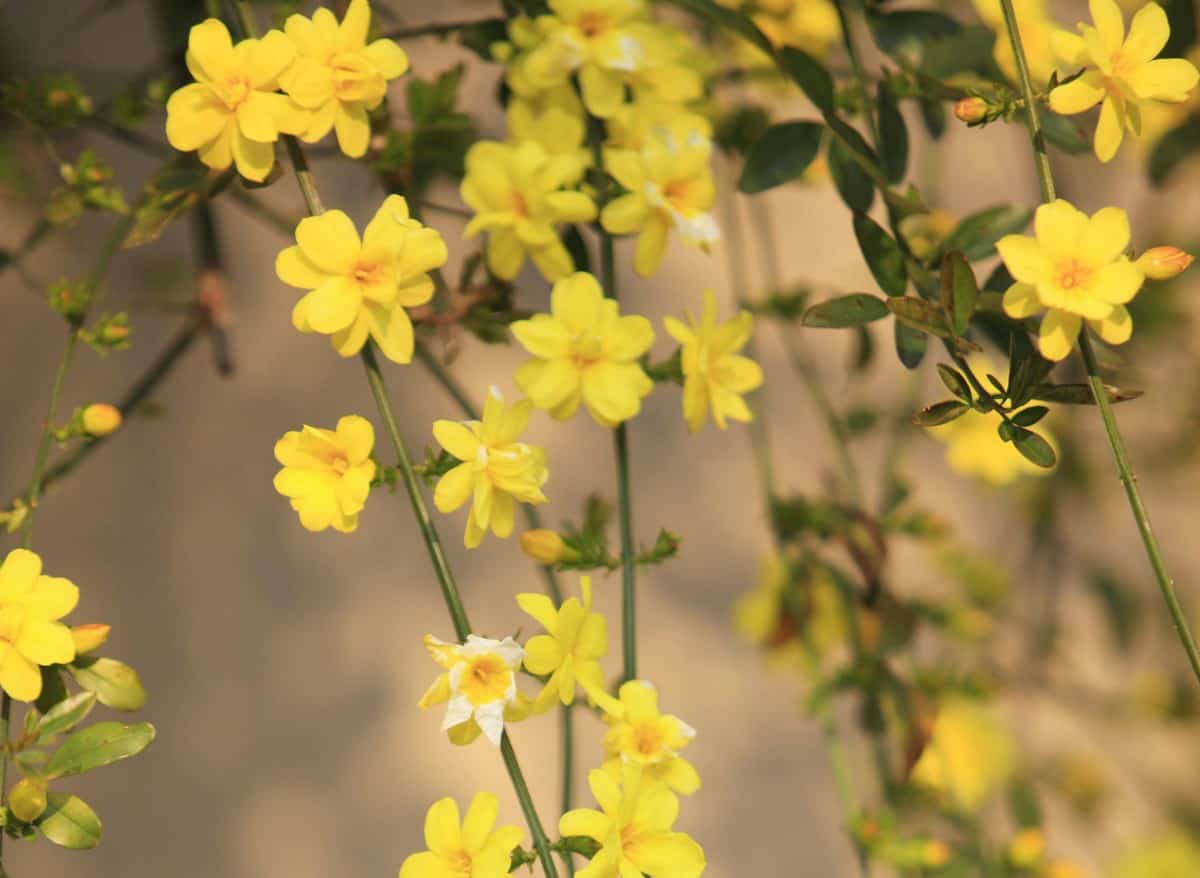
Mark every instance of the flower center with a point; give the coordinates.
(676, 194)
(647, 739)
(460, 864)
(518, 205)
(340, 464)
(592, 24)
(354, 79)
(1071, 273)
(234, 90)
(1122, 64)
(586, 348)
(485, 679)
(367, 274)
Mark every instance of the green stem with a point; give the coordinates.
(43, 449)
(860, 77)
(567, 735)
(1115, 441)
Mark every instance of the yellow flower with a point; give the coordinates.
(337, 76)
(496, 471)
(633, 828)
(969, 755)
(761, 618)
(474, 850)
(584, 350)
(554, 120)
(975, 449)
(1174, 854)
(668, 183)
(639, 735)
(231, 113)
(714, 374)
(810, 25)
(479, 686)
(1066, 869)
(570, 652)
(360, 288)
(327, 473)
(31, 604)
(518, 197)
(1076, 268)
(1037, 29)
(1121, 71)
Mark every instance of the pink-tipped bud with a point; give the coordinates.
(1164, 263)
(971, 110)
(89, 638)
(101, 419)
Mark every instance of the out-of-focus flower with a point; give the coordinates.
(1174, 854)
(31, 635)
(479, 686)
(974, 449)
(1037, 29)
(970, 754)
(476, 849)
(327, 473)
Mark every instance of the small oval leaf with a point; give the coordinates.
(940, 413)
(115, 683)
(98, 745)
(780, 156)
(882, 254)
(69, 822)
(65, 715)
(1033, 447)
(852, 310)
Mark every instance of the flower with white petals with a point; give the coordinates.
(479, 686)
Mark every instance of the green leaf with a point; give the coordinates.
(854, 309)
(955, 382)
(906, 34)
(1123, 607)
(851, 181)
(882, 254)
(921, 315)
(960, 291)
(1023, 805)
(1173, 147)
(910, 345)
(976, 236)
(780, 156)
(54, 689)
(64, 716)
(893, 136)
(968, 50)
(1033, 447)
(812, 77)
(1026, 368)
(480, 36)
(736, 130)
(69, 822)
(169, 194)
(98, 745)
(116, 684)
(1030, 416)
(1080, 394)
(940, 413)
(728, 19)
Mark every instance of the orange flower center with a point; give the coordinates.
(676, 193)
(592, 24)
(647, 739)
(1122, 64)
(368, 274)
(460, 864)
(235, 90)
(485, 679)
(1071, 273)
(518, 205)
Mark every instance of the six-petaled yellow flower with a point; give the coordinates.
(31, 636)
(639, 735)
(327, 473)
(1076, 269)
(668, 185)
(478, 686)
(496, 471)
(232, 113)
(570, 651)
(1123, 73)
(715, 375)
(634, 829)
(476, 849)
(338, 77)
(584, 351)
(360, 287)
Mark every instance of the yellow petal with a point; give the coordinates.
(1148, 33)
(352, 128)
(427, 864)
(19, 677)
(543, 655)
(454, 488)
(254, 159)
(333, 305)
(1057, 226)
(1116, 328)
(210, 50)
(1021, 301)
(1167, 79)
(357, 436)
(1078, 95)
(194, 118)
(540, 608)
(504, 253)
(651, 245)
(1069, 48)
(388, 58)
(1057, 334)
(218, 153)
(1117, 283)
(577, 301)
(1109, 131)
(502, 515)
(442, 834)
(586, 822)
(19, 574)
(603, 91)
(1105, 237)
(542, 336)
(392, 330)
(268, 58)
(352, 34)
(553, 260)
(294, 269)
(329, 241)
(625, 215)
(46, 643)
(52, 597)
(1109, 23)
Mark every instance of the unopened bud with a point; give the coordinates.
(27, 799)
(546, 547)
(971, 110)
(101, 419)
(113, 333)
(89, 638)
(1164, 263)
(1027, 847)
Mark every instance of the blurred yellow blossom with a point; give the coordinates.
(1122, 73)
(715, 375)
(231, 113)
(337, 76)
(638, 734)
(360, 288)
(517, 194)
(1174, 854)
(496, 470)
(1037, 29)
(327, 473)
(969, 755)
(633, 828)
(479, 686)
(761, 616)
(555, 120)
(1075, 267)
(476, 849)
(584, 351)
(31, 634)
(1027, 848)
(975, 449)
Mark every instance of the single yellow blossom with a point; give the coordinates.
(338, 77)
(809, 25)
(570, 651)
(633, 827)
(496, 470)
(638, 734)
(518, 197)
(231, 113)
(479, 686)
(1173, 854)
(715, 375)
(584, 351)
(674, 67)
(668, 183)
(1037, 30)
(969, 755)
(360, 288)
(31, 636)
(327, 473)
(1122, 72)
(1075, 267)
(975, 449)
(476, 849)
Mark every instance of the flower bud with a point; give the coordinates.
(27, 798)
(1164, 263)
(971, 110)
(101, 419)
(89, 638)
(546, 547)
(1027, 847)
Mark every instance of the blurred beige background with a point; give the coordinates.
(284, 667)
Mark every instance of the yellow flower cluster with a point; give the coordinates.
(331, 77)
(809, 25)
